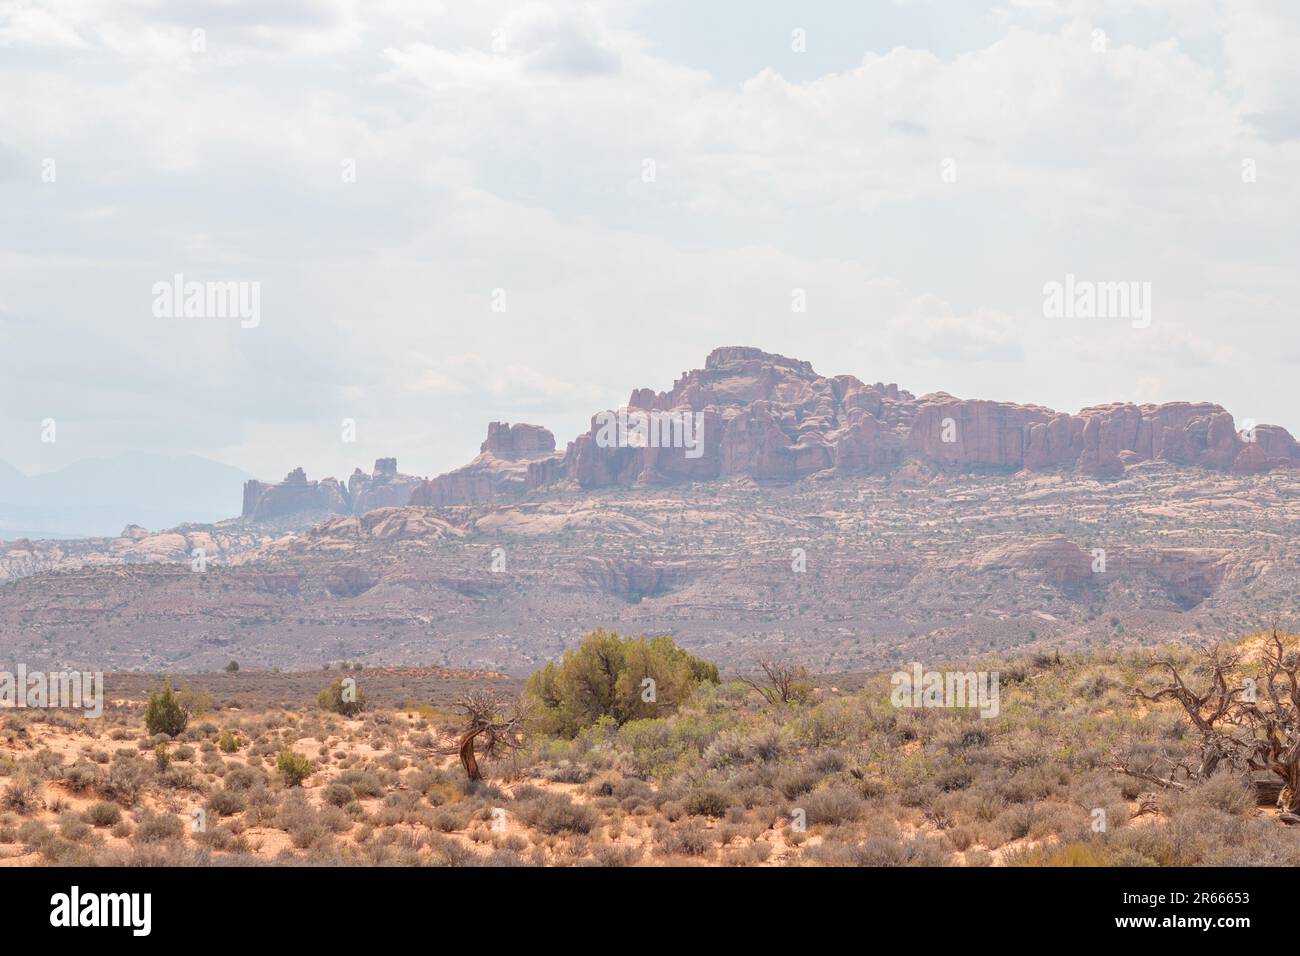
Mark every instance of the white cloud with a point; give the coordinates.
(521, 167)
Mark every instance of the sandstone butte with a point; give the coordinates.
(774, 419)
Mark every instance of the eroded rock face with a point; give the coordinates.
(1057, 561)
(631, 581)
(297, 497)
(747, 413)
(755, 415)
(772, 418)
(384, 488)
(512, 460)
(348, 581)
(518, 441)
(294, 495)
(1267, 447)
(1184, 577)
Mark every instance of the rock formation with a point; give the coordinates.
(385, 488)
(512, 460)
(295, 495)
(513, 442)
(771, 418)
(767, 418)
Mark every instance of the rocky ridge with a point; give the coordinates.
(770, 419)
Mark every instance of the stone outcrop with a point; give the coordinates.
(384, 488)
(772, 418)
(1057, 561)
(1267, 447)
(754, 415)
(746, 413)
(519, 441)
(298, 498)
(1183, 576)
(295, 495)
(512, 460)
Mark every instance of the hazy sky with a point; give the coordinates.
(921, 170)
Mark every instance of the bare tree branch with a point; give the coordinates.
(498, 723)
(1238, 730)
(780, 682)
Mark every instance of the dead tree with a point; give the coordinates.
(1239, 730)
(487, 717)
(780, 682)
(1208, 711)
(1274, 721)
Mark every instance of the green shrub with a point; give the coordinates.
(612, 856)
(228, 742)
(157, 827)
(164, 713)
(125, 781)
(689, 839)
(793, 783)
(81, 776)
(338, 698)
(707, 803)
(1223, 792)
(104, 813)
(243, 779)
(556, 813)
(195, 701)
(362, 782)
(225, 802)
(339, 794)
(833, 805)
(606, 676)
(22, 794)
(295, 768)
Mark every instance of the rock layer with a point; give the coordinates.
(265, 501)
(773, 418)
(384, 488)
(512, 460)
(768, 418)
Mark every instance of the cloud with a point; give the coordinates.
(928, 326)
(920, 199)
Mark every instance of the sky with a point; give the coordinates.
(457, 213)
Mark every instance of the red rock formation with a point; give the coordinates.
(1277, 443)
(973, 433)
(768, 417)
(513, 442)
(1057, 561)
(511, 461)
(756, 415)
(294, 495)
(385, 488)
(752, 413)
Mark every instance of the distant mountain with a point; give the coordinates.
(100, 496)
(757, 508)
(11, 481)
(771, 419)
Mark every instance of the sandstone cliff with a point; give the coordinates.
(384, 488)
(265, 501)
(772, 418)
(768, 418)
(513, 459)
